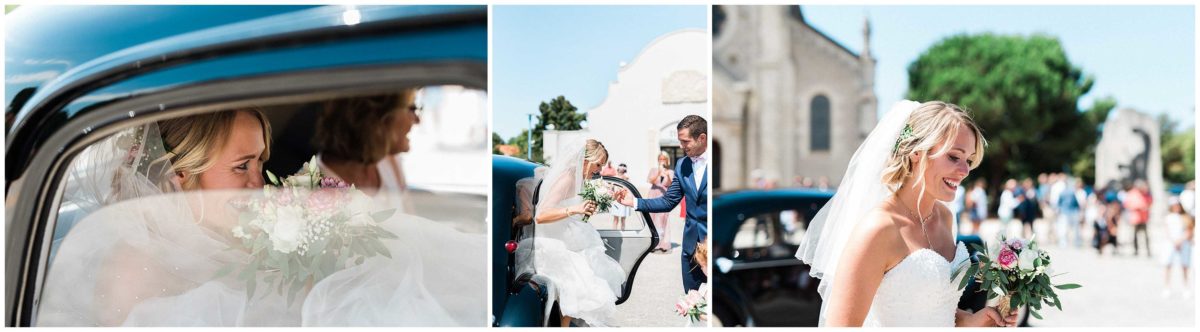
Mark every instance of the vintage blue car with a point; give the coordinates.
(520, 296)
(758, 280)
(76, 74)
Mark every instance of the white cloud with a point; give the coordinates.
(48, 62)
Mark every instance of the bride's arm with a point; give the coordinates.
(548, 210)
(123, 282)
(862, 266)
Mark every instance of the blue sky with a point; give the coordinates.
(541, 52)
(1144, 56)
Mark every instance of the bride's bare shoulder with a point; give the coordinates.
(879, 228)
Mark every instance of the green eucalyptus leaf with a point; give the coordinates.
(383, 233)
(380, 216)
(224, 271)
(274, 179)
(250, 288)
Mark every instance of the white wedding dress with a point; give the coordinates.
(144, 260)
(570, 252)
(921, 290)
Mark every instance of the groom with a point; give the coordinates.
(691, 185)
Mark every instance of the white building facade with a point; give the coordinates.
(667, 81)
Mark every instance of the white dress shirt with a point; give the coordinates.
(699, 165)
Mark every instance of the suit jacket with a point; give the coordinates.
(684, 188)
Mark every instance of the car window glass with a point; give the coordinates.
(131, 230)
(771, 228)
(618, 217)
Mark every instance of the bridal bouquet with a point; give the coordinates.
(303, 228)
(692, 305)
(1018, 272)
(599, 192)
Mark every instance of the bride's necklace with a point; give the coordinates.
(919, 220)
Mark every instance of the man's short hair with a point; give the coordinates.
(695, 125)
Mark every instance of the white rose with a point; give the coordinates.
(300, 180)
(289, 224)
(240, 233)
(993, 249)
(1025, 260)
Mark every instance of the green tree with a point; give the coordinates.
(1023, 92)
(497, 141)
(1178, 152)
(521, 141)
(558, 112)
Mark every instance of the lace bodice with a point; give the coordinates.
(922, 290)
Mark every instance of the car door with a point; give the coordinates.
(209, 69)
(764, 268)
(628, 245)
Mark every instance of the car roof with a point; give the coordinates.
(756, 199)
(43, 42)
(243, 41)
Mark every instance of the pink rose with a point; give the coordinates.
(324, 200)
(693, 297)
(1007, 258)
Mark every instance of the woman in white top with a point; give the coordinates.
(359, 139)
(1008, 202)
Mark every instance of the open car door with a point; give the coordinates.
(627, 245)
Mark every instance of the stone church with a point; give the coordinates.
(788, 100)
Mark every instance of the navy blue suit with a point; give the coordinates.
(696, 227)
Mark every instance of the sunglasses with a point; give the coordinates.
(415, 109)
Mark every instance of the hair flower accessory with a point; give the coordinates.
(904, 134)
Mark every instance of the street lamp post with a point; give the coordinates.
(529, 139)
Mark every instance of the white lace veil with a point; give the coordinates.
(861, 189)
(129, 235)
(129, 164)
(563, 180)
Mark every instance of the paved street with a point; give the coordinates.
(1117, 290)
(656, 287)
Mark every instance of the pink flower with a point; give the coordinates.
(1016, 244)
(693, 297)
(329, 182)
(1007, 258)
(283, 197)
(324, 200)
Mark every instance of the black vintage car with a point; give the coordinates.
(77, 74)
(758, 280)
(520, 296)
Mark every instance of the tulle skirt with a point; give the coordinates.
(126, 265)
(586, 279)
